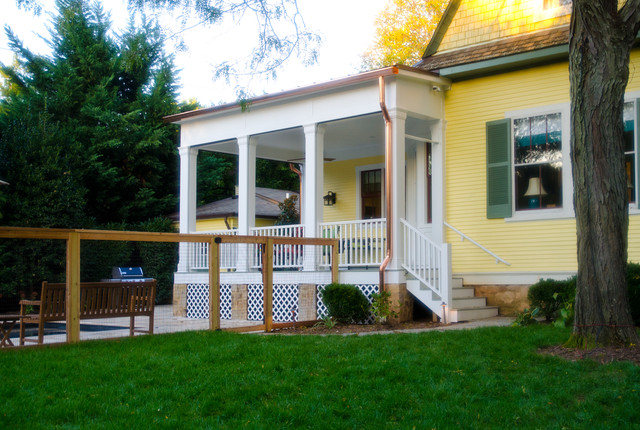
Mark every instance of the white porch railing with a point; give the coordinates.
(228, 252)
(426, 261)
(284, 256)
(361, 243)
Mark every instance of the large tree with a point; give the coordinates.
(403, 29)
(602, 35)
(96, 106)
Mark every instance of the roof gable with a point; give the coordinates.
(475, 22)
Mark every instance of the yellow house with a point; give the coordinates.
(448, 180)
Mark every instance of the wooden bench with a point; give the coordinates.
(97, 300)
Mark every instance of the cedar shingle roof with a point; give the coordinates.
(501, 48)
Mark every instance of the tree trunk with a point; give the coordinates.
(599, 49)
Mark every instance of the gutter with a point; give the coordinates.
(388, 179)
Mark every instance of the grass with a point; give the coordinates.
(483, 378)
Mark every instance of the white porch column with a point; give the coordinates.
(246, 195)
(313, 185)
(188, 172)
(398, 120)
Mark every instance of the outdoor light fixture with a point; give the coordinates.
(534, 191)
(330, 199)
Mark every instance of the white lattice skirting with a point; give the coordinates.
(285, 301)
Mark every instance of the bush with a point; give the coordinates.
(345, 303)
(550, 295)
(633, 286)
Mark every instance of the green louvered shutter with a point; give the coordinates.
(637, 129)
(499, 168)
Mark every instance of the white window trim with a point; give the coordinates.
(633, 96)
(567, 181)
(359, 170)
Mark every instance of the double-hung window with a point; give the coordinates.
(528, 165)
(537, 149)
(630, 118)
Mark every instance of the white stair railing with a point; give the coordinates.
(427, 261)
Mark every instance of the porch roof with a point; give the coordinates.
(298, 92)
(347, 109)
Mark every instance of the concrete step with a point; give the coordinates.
(469, 302)
(462, 293)
(473, 313)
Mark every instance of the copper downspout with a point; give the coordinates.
(299, 173)
(387, 183)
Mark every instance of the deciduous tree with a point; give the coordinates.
(403, 30)
(601, 39)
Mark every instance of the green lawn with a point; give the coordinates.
(483, 378)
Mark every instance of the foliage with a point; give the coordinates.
(288, 211)
(345, 303)
(159, 259)
(381, 307)
(276, 175)
(549, 295)
(326, 322)
(81, 132)
(526, 317)
(216, 176)
(403, 31)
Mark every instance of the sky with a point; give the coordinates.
(346, 26)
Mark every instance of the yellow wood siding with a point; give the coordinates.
(480, 21)
(530, 246)
(340, 177)
(214, 224)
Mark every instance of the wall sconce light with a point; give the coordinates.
(330, 199)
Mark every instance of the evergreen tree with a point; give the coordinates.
(82, 141)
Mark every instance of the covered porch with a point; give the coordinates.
(374, 140)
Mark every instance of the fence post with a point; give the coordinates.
(73, 288)
(214, 283)
(334, 261)
(267, 282)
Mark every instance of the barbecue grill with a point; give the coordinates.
(127, 274)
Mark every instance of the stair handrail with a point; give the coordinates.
(464, 236)
(433, 271)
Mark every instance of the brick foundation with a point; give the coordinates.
(179, 300)
(239, 302)
(401, 301)
(511, 299)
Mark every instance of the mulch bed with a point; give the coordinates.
(602, 355)
(344, 329)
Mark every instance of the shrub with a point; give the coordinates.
(345, 303)
(381, 307)
(550, 295)
(633, 286)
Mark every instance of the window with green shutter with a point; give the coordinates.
(499, 169)
(631, 117)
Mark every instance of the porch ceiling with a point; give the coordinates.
(344, 139)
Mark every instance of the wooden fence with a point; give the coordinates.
(74, 238)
